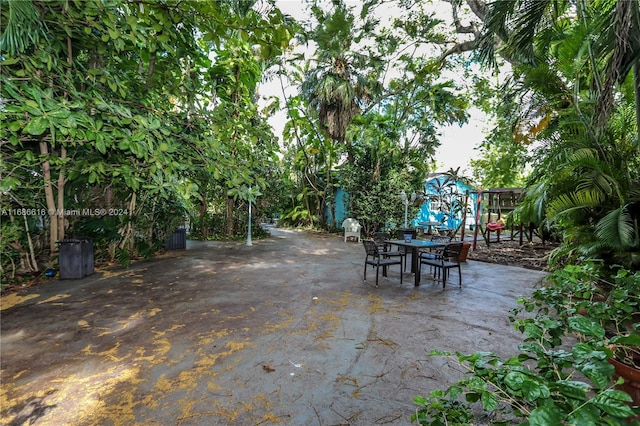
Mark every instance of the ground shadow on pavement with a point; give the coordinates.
(281, 332)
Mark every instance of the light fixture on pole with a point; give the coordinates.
(249, 230)
(251, 196)
(406, 201)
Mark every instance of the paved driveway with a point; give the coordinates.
(282, 332)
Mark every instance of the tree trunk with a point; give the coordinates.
(127, 231)
(63, 153)
(309, 210)
(108, 196)
(152, 63)
(235, 99)
(332, 206)
(204, 228)
(61, 182)
(33, 263)
(229, 205)
(636, 78)
(48, 192)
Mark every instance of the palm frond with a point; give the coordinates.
(520, 42)
(616, 230)
(497, 16)
(565, 253)
(597, 174)
(582, 154)
(578, 200)
(619, 43)
(23, 28)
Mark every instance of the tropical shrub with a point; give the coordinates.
(562, 374)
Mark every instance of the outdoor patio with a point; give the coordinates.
(281, 332)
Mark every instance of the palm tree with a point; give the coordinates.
(597, 202)
(609, 34)
(619, 43)
(341, 81)
(575, 63)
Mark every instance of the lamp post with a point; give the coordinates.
(249, 230)
(251, 195)
(406, 201)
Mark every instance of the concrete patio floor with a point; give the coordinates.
(282, 332)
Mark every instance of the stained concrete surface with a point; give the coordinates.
(282, 332)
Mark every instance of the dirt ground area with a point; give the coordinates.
(530, 255)
(283, 332)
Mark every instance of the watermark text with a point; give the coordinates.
(85, 212)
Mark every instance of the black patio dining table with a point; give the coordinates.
(415, 246)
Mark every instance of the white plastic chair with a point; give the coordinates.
(351, 229)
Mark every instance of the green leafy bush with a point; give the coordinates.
(562, 374)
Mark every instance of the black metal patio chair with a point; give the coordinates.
(436, 252)
(445, 259)
(375, 259)
(386, 250)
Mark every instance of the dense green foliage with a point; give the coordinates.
(368, 114)
(152, 108)
(576, 80)
(125, 120)
(152, 113)
(122, 117)
(561, 375)
(586, 174)
(122, 120)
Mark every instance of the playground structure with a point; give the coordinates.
(449, 206)
(491, 208)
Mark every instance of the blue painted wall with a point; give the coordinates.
(341, 200)
(430, 211)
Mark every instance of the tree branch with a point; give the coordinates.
(478, 7)
(466, 46)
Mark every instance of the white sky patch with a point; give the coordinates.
(458, 143)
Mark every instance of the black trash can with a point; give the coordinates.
(75, 258)
(177, 240)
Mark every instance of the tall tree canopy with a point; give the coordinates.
(577, 69)
(369, 85)
(111, 107)
(151, 110)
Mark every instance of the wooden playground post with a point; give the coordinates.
(475, 228)
(464, 214)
